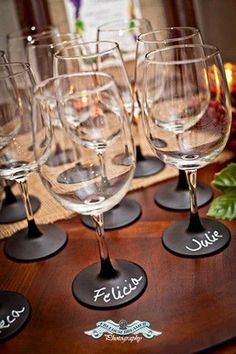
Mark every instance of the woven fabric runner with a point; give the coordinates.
(51, 211)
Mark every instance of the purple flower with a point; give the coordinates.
(77, 4)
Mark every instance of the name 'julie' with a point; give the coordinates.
(117, 293)
(206, 242)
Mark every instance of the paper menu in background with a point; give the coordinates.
(85, 16)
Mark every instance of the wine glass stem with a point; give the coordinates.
(33, 231)
(103, 170)
(139, 155)
(135, 122)
(107, 270)
(183, 179)
(28, 209)
(195, 224)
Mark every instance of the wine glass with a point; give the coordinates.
(40, 57)
(14, 307)
(17, 161)
(92, 117)
(186, 104)
(125, 33)
(12, 208)
(102, 56)
(18, 41)
(172, 195)
(17, 44)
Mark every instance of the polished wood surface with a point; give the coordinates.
(191, 301)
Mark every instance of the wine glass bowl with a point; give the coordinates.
(125, 33)
(41, 50)
(12, 207)
(12, 304)
(102, 56)
(186, 104)
(40, 54)
(173, 195)
(17, 161)
(18, 41)
(92, 117)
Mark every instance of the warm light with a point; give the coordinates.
(229, 75)
(84, 100)
(217, 80)
(230, 71)
(81, 103)
(71, 89)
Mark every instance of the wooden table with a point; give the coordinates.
(191, 301)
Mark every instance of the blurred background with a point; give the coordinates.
(214, 18)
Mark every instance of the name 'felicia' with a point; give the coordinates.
(118, 292)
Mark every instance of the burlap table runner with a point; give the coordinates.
(51, 211)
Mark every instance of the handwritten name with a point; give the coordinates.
(11, 318)
(117, 292)
(206, 242)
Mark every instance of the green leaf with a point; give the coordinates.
(225, 180)
(224, 206)
(131, 24)
(79, 24)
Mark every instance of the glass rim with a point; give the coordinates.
(19, 34)
(215, 51)
(43, 84)
(52, 45)
(102, 27)
(25, 67)
(195, 32)
(114, 44)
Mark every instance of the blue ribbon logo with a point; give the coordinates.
(123, 329)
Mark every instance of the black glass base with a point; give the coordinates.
(93, 291)
(214, 238)
(123, 214)
(21, 247)
(14, 313)
(148, 166)
(16, 211)
(169, 197)
(145, 165)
